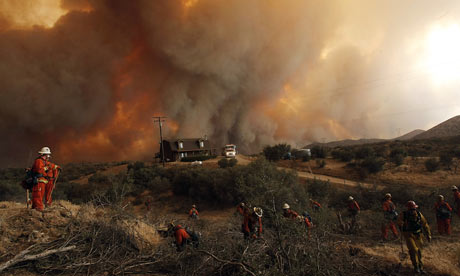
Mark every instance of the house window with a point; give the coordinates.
(201, 144)
(181, 145)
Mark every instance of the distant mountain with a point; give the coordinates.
(347, 142)
(409, 135)
(447, 128)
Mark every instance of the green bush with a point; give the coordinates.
(276, 152)
(397, 156)
(343, 155)
(373, 164)
(318, 152)
(432, 164)
(445, 158)
(364, 152)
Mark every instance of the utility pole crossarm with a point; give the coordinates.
(161, 119)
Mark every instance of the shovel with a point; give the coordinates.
(402, 254)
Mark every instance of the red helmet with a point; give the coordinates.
(411, 205)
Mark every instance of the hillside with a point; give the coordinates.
(347, 142)
(447, 128)
(409, 135)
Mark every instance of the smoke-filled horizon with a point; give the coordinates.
(85, 77)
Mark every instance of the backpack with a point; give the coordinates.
(30, 180)
(195, 238)
(307, 215)
(391, 215)
(412, 223)
(443, 212)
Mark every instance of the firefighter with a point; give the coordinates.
(456, 200)
(315, 205)
(45, 174)
(288, 213)
(413, 226)
(308, 223)
(390, 216)
(443, 215)
(182, 238)
(353, 210)
(193, 213)
(252, 223)
(240, 209)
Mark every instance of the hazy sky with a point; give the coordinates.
(85, 76)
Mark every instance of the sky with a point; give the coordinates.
(85, 77)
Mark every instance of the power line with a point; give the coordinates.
(160, 120)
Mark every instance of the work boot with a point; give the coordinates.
(417, 269)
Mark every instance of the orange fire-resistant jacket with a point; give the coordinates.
(438, 205)
(290, 214)
(181, 235)
(193, 210)
(353, 205)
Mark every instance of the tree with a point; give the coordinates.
(276, 152)
(397, 156)
(445, 158)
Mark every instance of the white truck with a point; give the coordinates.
(229, 151)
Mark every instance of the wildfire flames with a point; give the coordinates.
(85, 77)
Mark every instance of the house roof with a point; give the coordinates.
(189, 144)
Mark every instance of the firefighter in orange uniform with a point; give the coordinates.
(390, 216)
(443, 215)
(193, 213)
(181, 236)
(414, 226)
(44, 177)
(288, 213)
(315, 205)
(456, 200)
(240, 208)
(353, 209)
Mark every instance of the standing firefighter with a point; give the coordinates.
(252, 223)
(193, 213)
(456, 199)
(413, 225)
(45, 174)
(390, 216)
(353, 210)
(443, 215)
(240, 208)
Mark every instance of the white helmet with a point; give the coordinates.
(45, 150)
(387, 195)
(441, 197)
(350, 198)
(286, 206)
(258, 211)
(454, 188)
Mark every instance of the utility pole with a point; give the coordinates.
(160, 119)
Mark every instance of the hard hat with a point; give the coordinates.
(387, 195)
(242, 204)
(350, 198)
(286, 206)
(258, 211)
(45, 150)
(193, 206)
(441, 197)
(411, 205)
(454, 188)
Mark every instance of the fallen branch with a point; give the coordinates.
(243, 266)
(23, 257)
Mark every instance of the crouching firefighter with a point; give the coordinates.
(413, 226)
(183, 237)
(252, 223)
(45, 174)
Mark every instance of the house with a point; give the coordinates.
(177, 149)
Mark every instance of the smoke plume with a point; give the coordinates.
(247, 72)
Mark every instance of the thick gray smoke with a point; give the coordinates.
(247, 72)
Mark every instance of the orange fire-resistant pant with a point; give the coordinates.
(444, 226)
(38, 191)
(389, 224)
